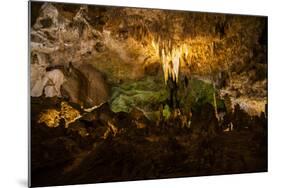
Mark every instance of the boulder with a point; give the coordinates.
(86, 86)
(49, 84)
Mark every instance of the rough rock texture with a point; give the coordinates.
(229, 50)
(99, 83)
(85, 86)
(58, 45)
(103, 146)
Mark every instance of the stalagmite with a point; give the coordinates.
(215, 102)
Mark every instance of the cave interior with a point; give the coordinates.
(121, 93)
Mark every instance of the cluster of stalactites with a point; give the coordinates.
(170, 56)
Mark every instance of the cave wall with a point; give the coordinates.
(119, 42)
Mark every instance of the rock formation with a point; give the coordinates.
(118, 93)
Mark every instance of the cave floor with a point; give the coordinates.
(62, 156)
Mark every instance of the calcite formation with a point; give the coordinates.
(117, 93)
(216, 48)
(53, 117)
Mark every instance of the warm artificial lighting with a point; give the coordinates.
(171, 59)
(52, 117)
